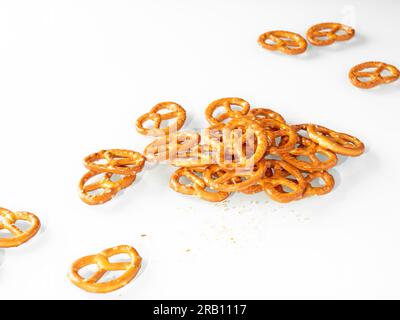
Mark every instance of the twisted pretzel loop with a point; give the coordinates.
(19, 237)
(91, 284)
(375, 77)
(284, 41)
(329, 183)
(118, 161)
(329, 31)
(176, 111)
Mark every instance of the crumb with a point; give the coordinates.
(143, 235)
(188, 250)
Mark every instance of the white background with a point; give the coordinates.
(75, 75)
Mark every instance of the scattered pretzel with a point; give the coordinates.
(176, 112)
(19, 237)
(374, 77)
(108, 187)
(118, 161)
(324, 34)
(284, 41)
(92, 283)
(335, 141)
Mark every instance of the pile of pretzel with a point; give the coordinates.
(245, 150)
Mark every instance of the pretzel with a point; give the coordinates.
(375, 77)
(233, 180)
(19, 237)
(329, 183)
(118, 161)
(248, 128)
(273, 186)
(197, 156)
(176, 111)
(169, 147)
(197, 186)
(279, 130)
(226, 104)
(309, 149)
(329, 32)
(335, 141)
(263, 113)
(284, 41)
(104, 265)
(109, 188)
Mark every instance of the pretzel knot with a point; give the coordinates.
(284, 41)
(338, 142)
(310, 150)
(92, 283)
(227, 104)
(275, 185)
(197, 184)
(106, 187)
(375, 76)
(324, 34)
(19, 237)
(176, 112)
(118, 161)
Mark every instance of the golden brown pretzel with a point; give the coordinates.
(226, 104)
(250, 130)
(176, 111)
(197, 156)
(324, 34)
(279, 130)
(169, 147)
(273, 186)
(375, 77)
(338, 142)
(263, 113)
(118, 161)
(233, 180)
(197, 186)
(309, 149)
(19, 237)
(109, 187)
(284, 41)
(329, 183)
(92, 283)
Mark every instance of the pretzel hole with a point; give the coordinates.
(270, 42)
(23, 225)
(4, 233)
(370, 70)
(183, 180)
(148, 124)
(386, 73)
(341, 32)
(317, 182)
(120, 257)
(322, 157)
(110, 276)
(116, 177)
(168, 123)
(304, 159)
(364, 79)
(87, 271)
